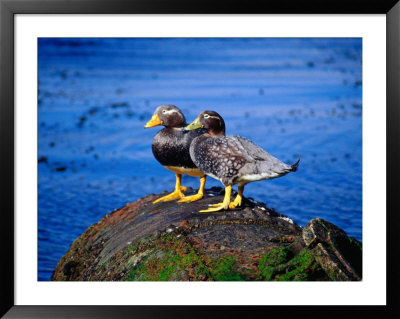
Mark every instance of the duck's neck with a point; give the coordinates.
(215, 133)
(174, 128)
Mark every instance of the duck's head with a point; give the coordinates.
(211, 121)
(167, 115)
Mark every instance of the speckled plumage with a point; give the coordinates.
(233, 159)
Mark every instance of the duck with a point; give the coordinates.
(170, 147)
(231, 159)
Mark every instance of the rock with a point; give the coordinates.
(339, 255)
(174, 242)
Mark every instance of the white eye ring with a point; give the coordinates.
(206, 116)
(164, 111)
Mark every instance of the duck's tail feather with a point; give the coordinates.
(294, 166)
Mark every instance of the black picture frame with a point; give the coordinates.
(8, 8)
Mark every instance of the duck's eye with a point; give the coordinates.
(164, 111)
(206, 116)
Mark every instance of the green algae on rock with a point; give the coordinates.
(173, 242)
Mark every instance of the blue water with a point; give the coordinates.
(294, 97)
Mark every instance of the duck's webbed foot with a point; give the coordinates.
(214, 208)
(176, 194)
(199, 195)
(220, 206)
(238, 200)
(189, 199)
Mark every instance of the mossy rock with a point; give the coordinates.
(340, 256)
(174, 242)
(281, 264)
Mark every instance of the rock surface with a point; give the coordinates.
(171, 241)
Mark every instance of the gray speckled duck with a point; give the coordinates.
(171, 148)
(231, 159)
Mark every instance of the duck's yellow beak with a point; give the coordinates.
(194, 125)
(154, 121)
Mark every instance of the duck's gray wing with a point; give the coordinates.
(261, 162)
(252, 151)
